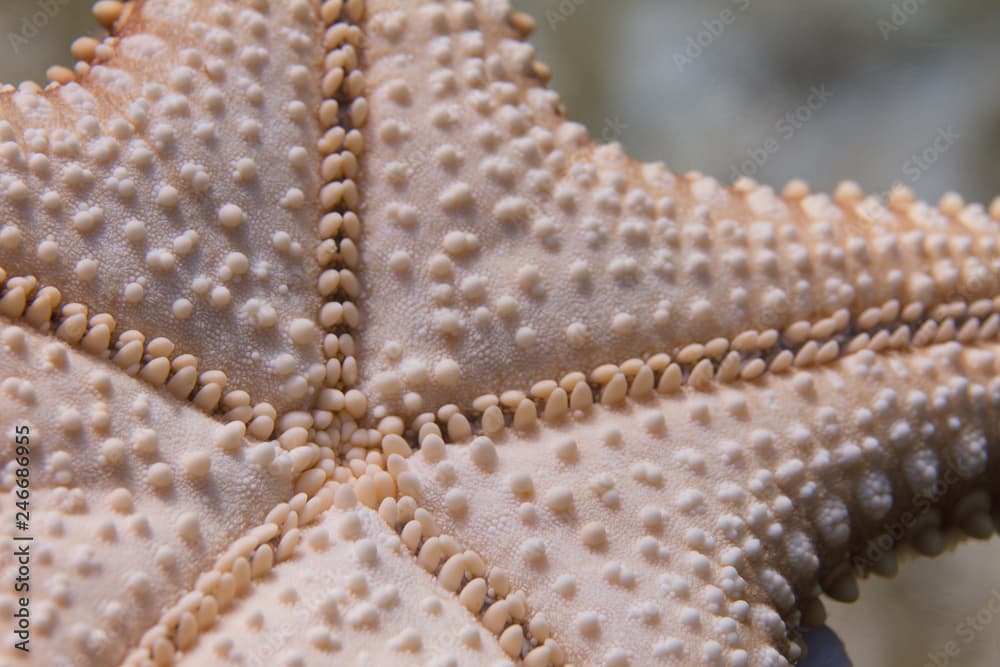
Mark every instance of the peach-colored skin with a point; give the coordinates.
(338, 344)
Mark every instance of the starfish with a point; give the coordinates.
(326, 338)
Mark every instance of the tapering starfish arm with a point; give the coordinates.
(503, 248)
(688, 527)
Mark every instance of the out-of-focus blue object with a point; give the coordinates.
(825, 648)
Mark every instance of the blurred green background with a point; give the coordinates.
(881, 92)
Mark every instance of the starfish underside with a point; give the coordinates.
(335, 342)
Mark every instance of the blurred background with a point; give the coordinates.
(879, 91)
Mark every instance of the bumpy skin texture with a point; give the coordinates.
(132, 499)
(610, 254)
(361, 591)
(338, 343)
(175, 187)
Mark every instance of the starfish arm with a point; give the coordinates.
(130, 497)
(503, 248)
(351, 594)
(689, 527)
(174, 185)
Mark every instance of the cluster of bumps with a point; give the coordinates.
(338, 343)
